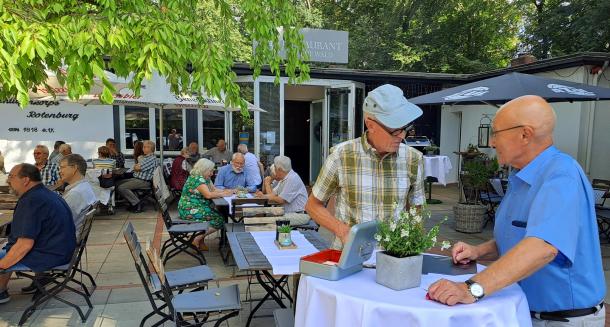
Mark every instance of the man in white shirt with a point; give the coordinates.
(251, 169)
(285, 187)
(78, 194)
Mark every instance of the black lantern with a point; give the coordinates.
(484, 131)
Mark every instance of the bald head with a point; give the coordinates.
(529, 110)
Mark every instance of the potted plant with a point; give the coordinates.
(404, 239)
(431, 149)
(284, 235)
(241, 192)
(469, 212)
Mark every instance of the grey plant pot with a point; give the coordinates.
(398, 273)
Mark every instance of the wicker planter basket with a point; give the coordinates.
(469, 217)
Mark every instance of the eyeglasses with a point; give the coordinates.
(37, 153)
(494, 133)
(65, 166)
(397, 131)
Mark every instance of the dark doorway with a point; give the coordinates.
(296, 136)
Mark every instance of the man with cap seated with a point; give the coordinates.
(42, 232)
(372, 173)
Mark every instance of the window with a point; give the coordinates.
(269, 122)
(213, 127)
(173, 134)
(242, 131)
(136, 125)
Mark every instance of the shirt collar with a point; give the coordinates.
(531, 171)
(71, 186)
(368, 148)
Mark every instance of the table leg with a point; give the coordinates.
(430, 200)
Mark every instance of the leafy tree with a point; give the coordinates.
(554, 27)
(173, 37)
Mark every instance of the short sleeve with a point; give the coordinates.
(554, 215)
(328, 180)
(289, 192)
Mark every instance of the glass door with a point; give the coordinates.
(316, 149)
(339, 115)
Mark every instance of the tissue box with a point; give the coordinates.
(334, 264)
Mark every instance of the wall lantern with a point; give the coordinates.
(484, 131)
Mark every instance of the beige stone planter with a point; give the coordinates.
(398, 273)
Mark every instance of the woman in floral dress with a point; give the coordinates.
(196, 200)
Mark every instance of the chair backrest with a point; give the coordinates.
(237, 206)
(261, 218)
(167, 166)
(81, 241)
(156, 264)
(496, 184)
(601, 190)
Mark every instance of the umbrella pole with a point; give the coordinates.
(161, 134)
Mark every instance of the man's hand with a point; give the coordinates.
(259, 194)
(463, 253)
(268, 180)
(343, 232)
(450, 293)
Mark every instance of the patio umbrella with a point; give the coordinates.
(61, 91)
(501, 89)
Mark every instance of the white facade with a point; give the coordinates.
(582, 129)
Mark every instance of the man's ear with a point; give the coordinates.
(528, 133)
(368, 122)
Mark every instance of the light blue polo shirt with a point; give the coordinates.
(552, 199)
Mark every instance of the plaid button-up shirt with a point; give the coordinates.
(120, 159)
(367, 185)
(147, 167)
(49, 174)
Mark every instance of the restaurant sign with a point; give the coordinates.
(329, 46)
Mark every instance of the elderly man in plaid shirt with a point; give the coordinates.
(142, 177)
(371, 173)
(48, 170)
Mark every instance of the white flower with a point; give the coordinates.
(412, 211)
(417, 219)
(445, 245)
(434, 239)
(387, 238)
(393, 226)
(404, 233)
(377, 237)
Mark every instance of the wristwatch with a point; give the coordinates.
(475, 289)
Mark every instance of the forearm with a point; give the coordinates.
(524, 259)
(16, 253)
(487, 250)
(318, 212)
(275, 198)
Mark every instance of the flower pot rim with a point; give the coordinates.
(409, 256)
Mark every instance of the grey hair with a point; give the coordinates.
(64, 147)
(202, 166)
(77, 161)
(43, 147)
(237, 154)
(151, 143)
(283, 163)
(242, 148)
(184, 151)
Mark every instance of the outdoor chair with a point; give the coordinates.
(491, 199)
(60, 278)
(158, 191)
(197, 307)
(603, 222)
(194, 278)
(601, 190)
(181, 237)
(238, 205)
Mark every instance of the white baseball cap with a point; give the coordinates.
(388, 105)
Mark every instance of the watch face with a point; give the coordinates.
(476, 290)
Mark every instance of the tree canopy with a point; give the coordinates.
(193, 44)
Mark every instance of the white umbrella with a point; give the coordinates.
(61, 91)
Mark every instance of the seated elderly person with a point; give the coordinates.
(64, 150)
(48, 170)
(196, 200)
(42, 232)
(78, 194)
(142, 177)
(219, 154)
(231, 177)
(194, 154)
(285, 187)
(180, 170)
(115, 154)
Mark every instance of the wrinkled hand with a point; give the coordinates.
(259, 194)
(268, 180)
(463, 253)
(450, 293)
(343, 233)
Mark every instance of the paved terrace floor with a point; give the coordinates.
(120, 299)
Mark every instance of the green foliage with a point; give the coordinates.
(477, 173)
(554, 28)
(405, 235)
(284, 229)
(142, 36)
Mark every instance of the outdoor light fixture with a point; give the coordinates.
(484, 131)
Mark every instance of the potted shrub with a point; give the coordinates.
(404, 239)
(469, 212)
(284, 235)
(431, 149)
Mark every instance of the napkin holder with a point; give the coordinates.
(335, 264)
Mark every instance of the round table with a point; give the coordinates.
(358, 300)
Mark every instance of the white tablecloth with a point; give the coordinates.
(283, 262)
(102, 194)
(358, 300)
(229, 200)
(437, 166)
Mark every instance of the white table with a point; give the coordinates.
(104, 195)
(358, 300)
(437, 166)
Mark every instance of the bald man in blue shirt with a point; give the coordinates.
(545, 236)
